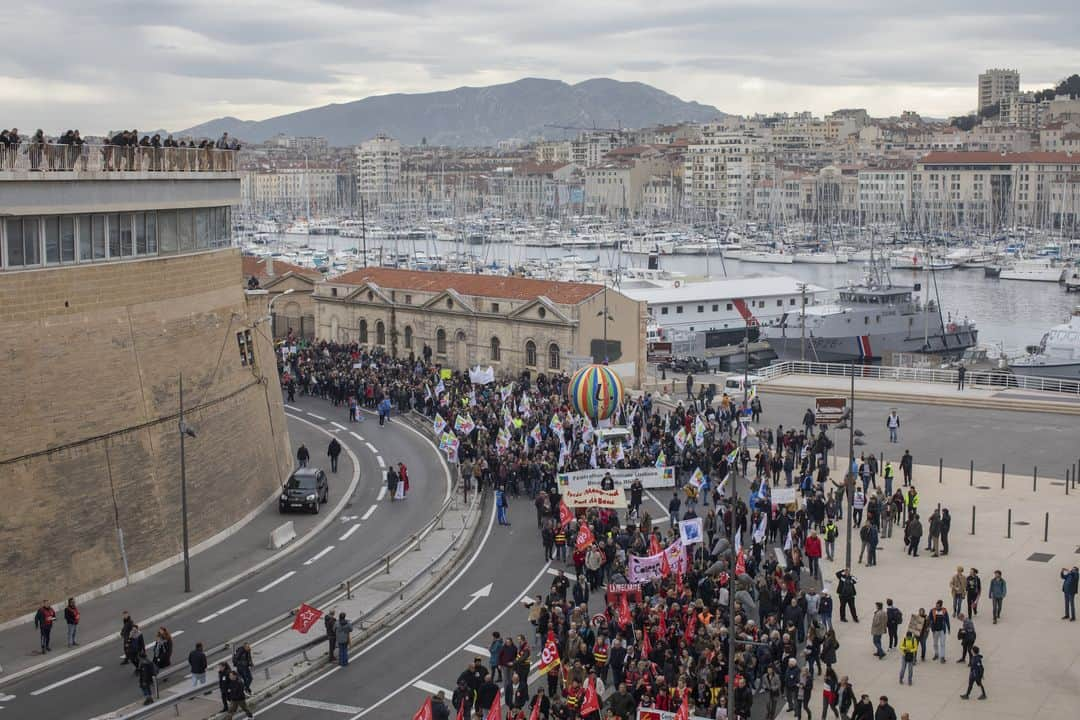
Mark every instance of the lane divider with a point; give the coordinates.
(223, 610)
(319, 554)
(281, 579)
(369, 512)
(317, 417)
(65, 681)
(349, 532)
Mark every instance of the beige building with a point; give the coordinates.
(617, 185)
(461, 320)
(995, 85)
(295, 311)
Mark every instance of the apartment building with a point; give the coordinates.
(995, 85)
(616, 186)
(378, 169)
(538, 188)
(295, 190)
(885, 192)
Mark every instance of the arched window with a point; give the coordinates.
(553, 357)
(440, 342)
(408, 337)
(530, 354)
(494, 349)
(363, 332)
(380, 333)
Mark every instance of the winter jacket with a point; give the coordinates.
(878, 623)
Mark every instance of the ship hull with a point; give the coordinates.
(1064, 371)
(864, 348)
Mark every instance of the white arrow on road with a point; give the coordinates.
(481, 593)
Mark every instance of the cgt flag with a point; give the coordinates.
(565, 516)
(549, 655)
(495, 712)
(425, 712)
(591, 703)
(306, 617)
(585, 537)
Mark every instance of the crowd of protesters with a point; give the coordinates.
(670, 648)
(124, 150)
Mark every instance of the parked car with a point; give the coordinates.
(306, 489)
(685, 365)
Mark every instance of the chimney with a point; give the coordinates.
(269, 266)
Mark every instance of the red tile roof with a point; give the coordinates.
(993, 158)
(257, 266)
(495, 286)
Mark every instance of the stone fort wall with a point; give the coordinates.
(90, 358)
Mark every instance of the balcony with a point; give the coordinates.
(27, 160)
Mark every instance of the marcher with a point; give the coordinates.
(126, 626)
(845, 590)
(224, 673)
(957, 585)
(146, 672)
(878, 625)
(43, 622)
(997, 593)
(333, 451)
(893, 423)
(302, 455)
(966, 635)
(330, 623)
(975, 674)
(909, 646)
(973, 591)
(236, 692)
(163, 648)
(939, 626)
(960, 374)
(71, 617)
(243, 663)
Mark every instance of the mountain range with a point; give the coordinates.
(475, 116)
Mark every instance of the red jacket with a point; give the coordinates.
(812, 546)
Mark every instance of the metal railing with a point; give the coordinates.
(365, 625)
(60, 157)
(974, 378)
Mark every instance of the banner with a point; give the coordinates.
(784, 495)
(306, 617)
(650, 567)
(651, 714)
(631, 591)
(482, 376)
(583, 488)
(690, 531)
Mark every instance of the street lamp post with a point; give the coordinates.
(185, 432)
(270, 308)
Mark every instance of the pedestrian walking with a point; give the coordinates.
(126, 626)
(812, 548)
(302, 455)
(961, 373)
(333, 451)
(894, 617)
(957, 585)
(998, 590)
(501, 507)
(236, 692)
(163, 648)
(43, 622)
(909, 646)
(906, 462)
(845, 590)
(224, 672)
(71, 617)
(913, 535)
(197, 665)
(342, 633)
(933, 532)
(243, 663)
(966, 635)
(878, 625)
(973, 591)
(884, 710)
(1070, 581)
(939, 626)
(946, 525)
(146, 671)
(975, 674)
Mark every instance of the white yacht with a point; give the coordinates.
(762, 256)
(1033, 269)
(1058, 355)
(821, 258)
(913, 259)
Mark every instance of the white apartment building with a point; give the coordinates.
(885, 192)
(294, 190)
(997, 84)
(553, 152)
(534, 188)
(722, 169)
(378, 169)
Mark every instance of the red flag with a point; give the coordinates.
(306, 617)
(691, 624)
(549, 655)
(534, 715)
(740, 563)
(654, 545)
(663, 624)
(584, 537)
(495, 713)
(592, 700)
(665, 566)
(646, 644)
(624, 610)
(684, 709)
(461, 711)
(424, 713)
(565, 516)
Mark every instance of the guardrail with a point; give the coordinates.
(62, 157)
(975, 378)
(343, 589)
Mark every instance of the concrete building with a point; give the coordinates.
(995, 85)
(297, 190)
(616, 186)
(378, 169)
(112, 284)
(885, 192)
(295, 314)
(513, 324)
(537, 188)
(1022, 110)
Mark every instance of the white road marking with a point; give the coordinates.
(666, 517)
(430, 688)
(6, 698)
(65, 681)
(371, 448)
(280, 580)
(481, 593)
(382, 492)
(382, 463)
(223, 610)
(319, 554)
(553, 571)
(369, 512)
(298, 690)
(318, 705)
(317, 417)
(177, 632)
(477, 650)
(349, 532)
(292, 407)
(358, 437)
(338, 426)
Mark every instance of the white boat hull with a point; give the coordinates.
(1050, 274)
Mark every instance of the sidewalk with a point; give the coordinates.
(1032, 657)
(161, 594)
(378, 604)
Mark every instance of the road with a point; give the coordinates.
(96, 682)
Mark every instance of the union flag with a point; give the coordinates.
(424, 713)
(684, 709)
(584, 537)
(592, 700)
(565, 516)
(495, 712)
(306, 617)
(549, 655)
(625, 618)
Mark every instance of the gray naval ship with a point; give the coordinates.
(869, 320)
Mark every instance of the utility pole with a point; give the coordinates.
(802, 325)
(849, 476)
(184, 430)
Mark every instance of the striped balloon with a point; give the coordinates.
(596, 391)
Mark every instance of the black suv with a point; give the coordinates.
(307, 488)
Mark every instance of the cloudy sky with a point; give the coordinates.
(106, 64)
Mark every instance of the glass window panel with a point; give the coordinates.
(202, 227)
(127, 241)
(67, 239)
(151, 233)
(15, 255)
(31, 241)
(98, 222)
(140, 233)
(86, 245)
(52, 240)
(114, 236)
(186, 229)
(167, 231)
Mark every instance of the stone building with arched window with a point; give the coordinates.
(461, 320)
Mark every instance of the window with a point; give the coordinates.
(678, 309)
(542, 312)
(792, 301)
(716, 307)
(553, 356)
(86, 244)
(495, 349)
(67, 239)
(663, 311)
(494, 309)
(701, 308)
(168, 239)
(140, 233)
(333, 292)
(440, 342)
(22, 242)
(530, 354)
(127, 241)
(202, 228)
(363, 331)
(866, 320)
(408, 299)
(52, 240)
(449, 304)
(779, 303)
(729, 306)
(380, 333)
(185, 230)
(408, 337)
(247, 349)
(114, 236)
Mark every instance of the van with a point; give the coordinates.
(613, 435)
(733, 386)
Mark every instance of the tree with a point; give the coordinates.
(965, 122)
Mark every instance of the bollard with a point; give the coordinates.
(387, 564)
(1046, 528)
(972, 519)
(1066, 481)
(971, 474)
(940, 466)
(1035, 479)
(1002, 476)
(348, 589)
(1008, 526)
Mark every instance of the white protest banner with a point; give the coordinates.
(784, 495)
(592, 488)
(482, 376)
(690, 531)
(651, 714)
(650, 567)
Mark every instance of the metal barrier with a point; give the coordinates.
(61, 157)
(974, 378)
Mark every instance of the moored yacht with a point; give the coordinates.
(1058, 355)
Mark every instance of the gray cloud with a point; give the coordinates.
(173, 63)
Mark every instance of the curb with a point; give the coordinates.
(220, 587)
(1024, 405)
